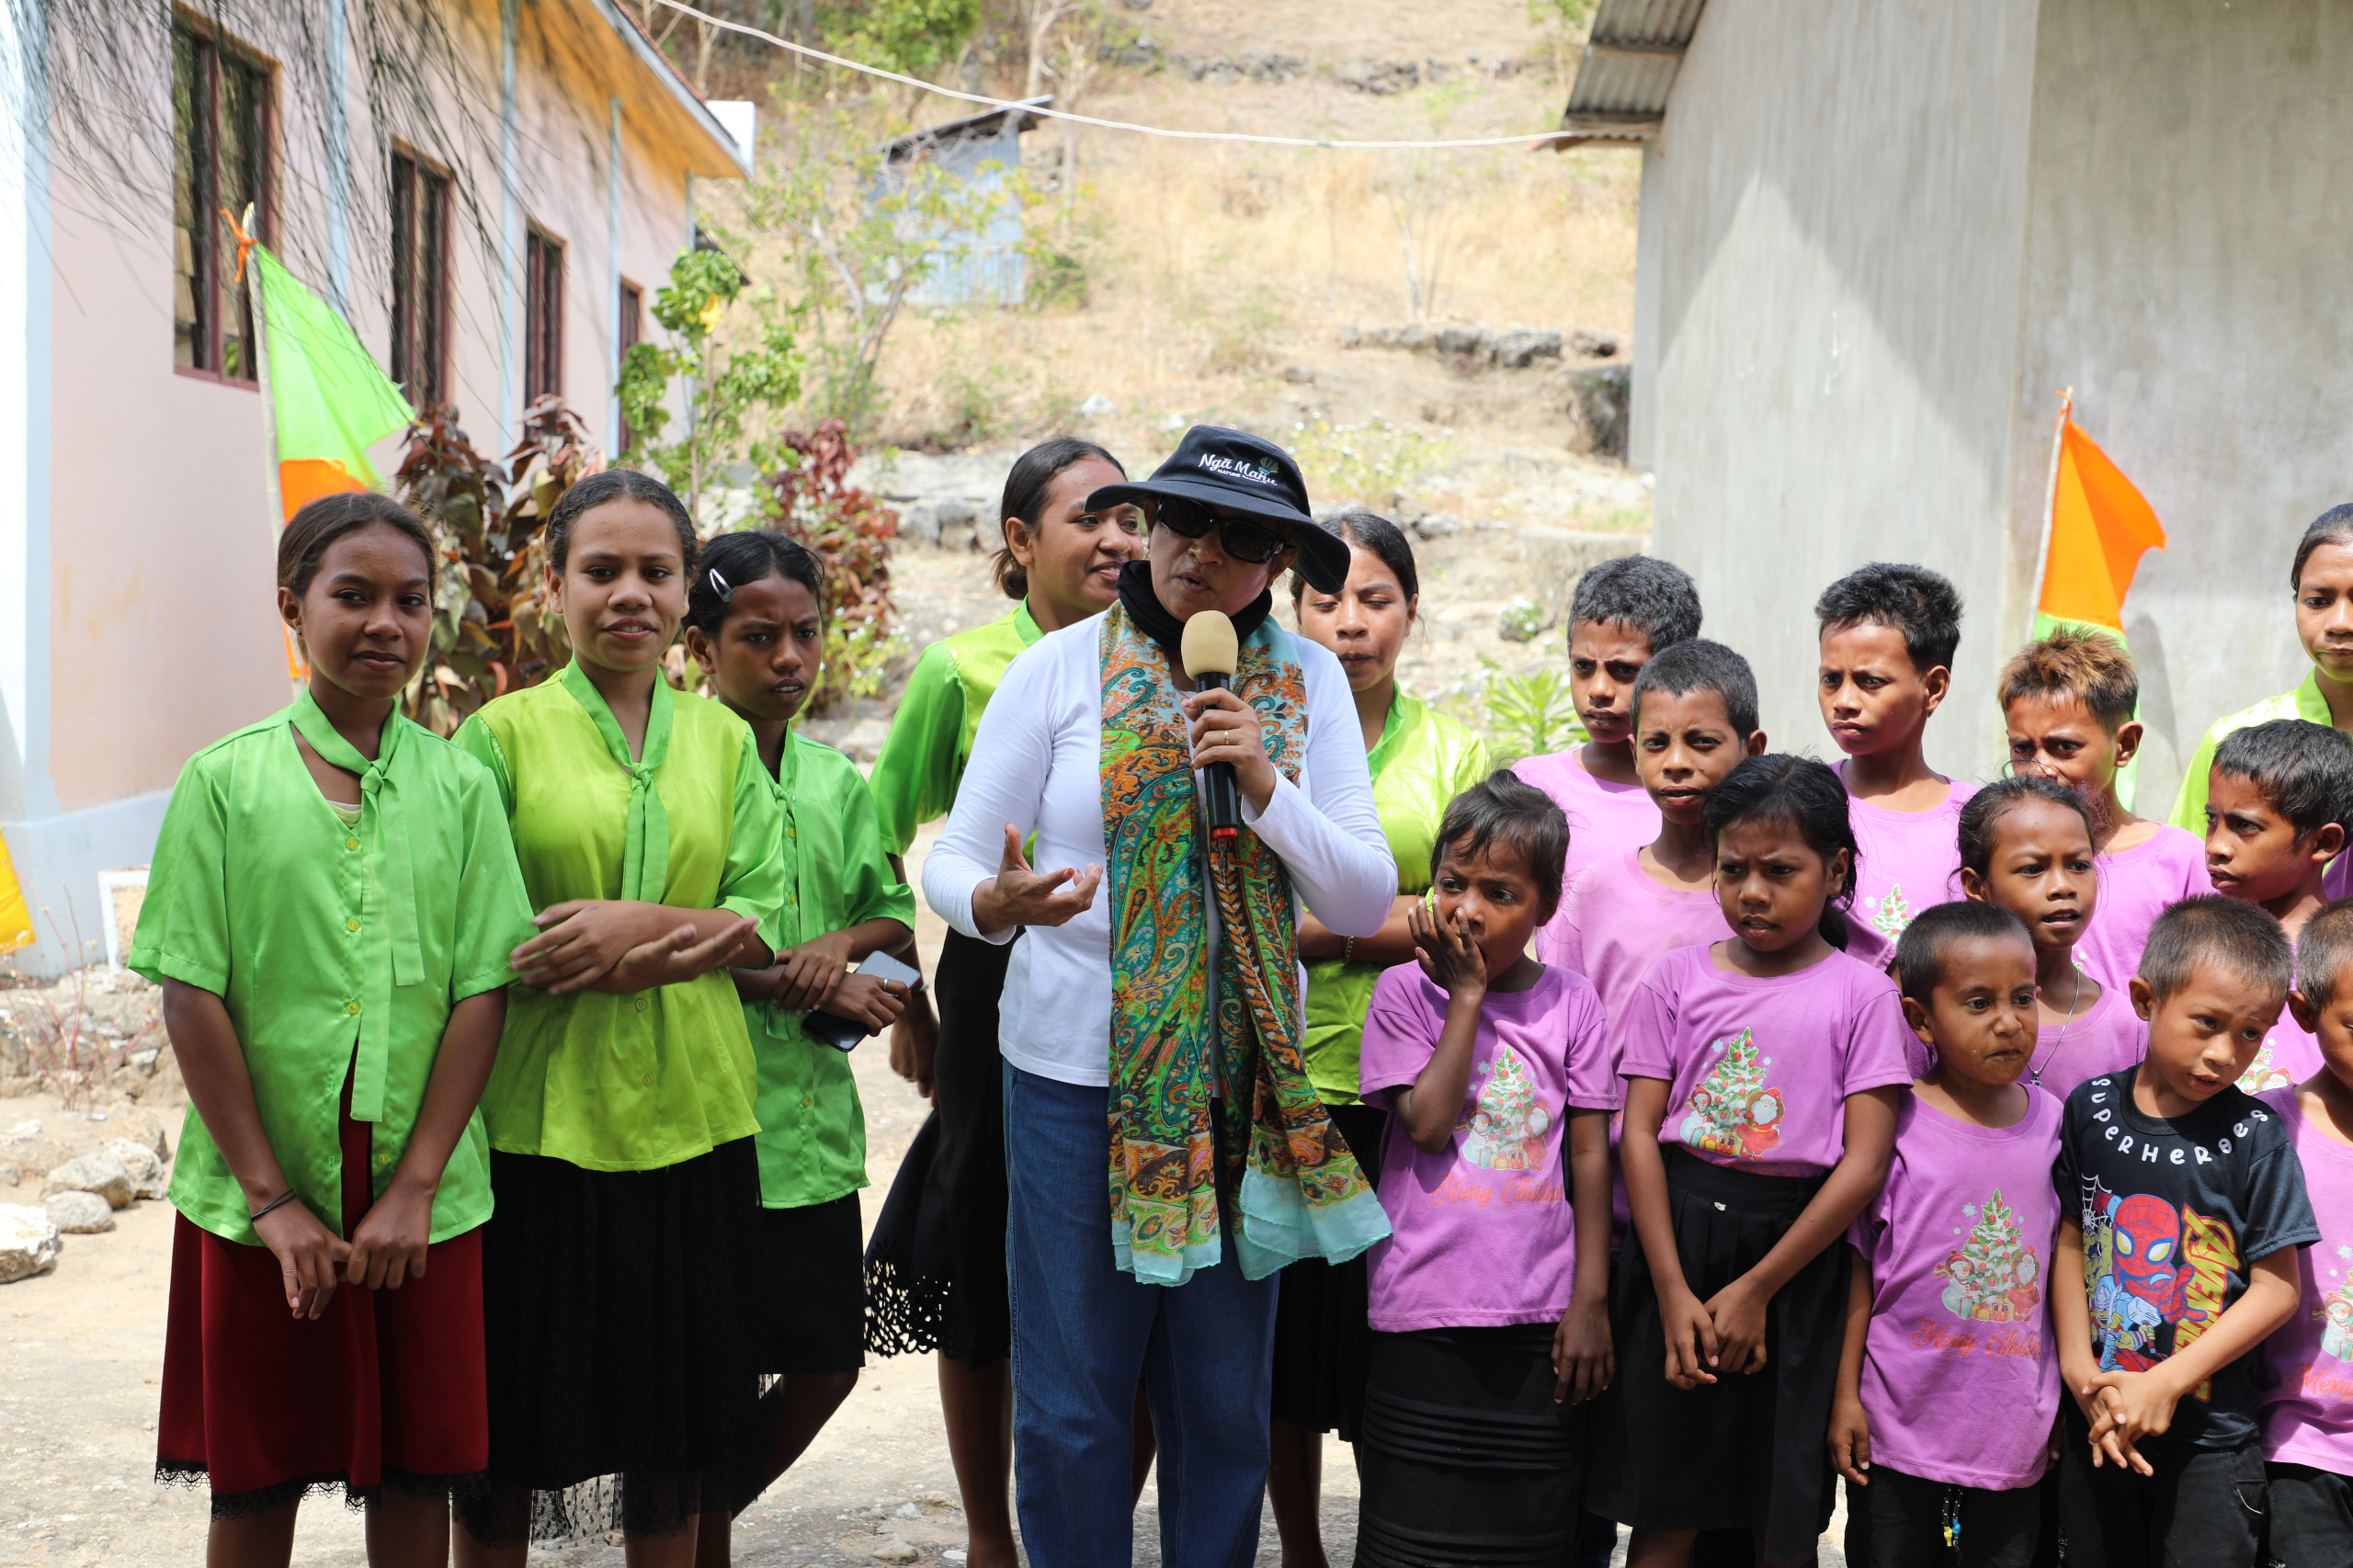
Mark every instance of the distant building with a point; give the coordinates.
(1876, 242)
(984, 265)
(492, 238)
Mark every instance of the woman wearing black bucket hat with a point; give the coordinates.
(1158, 995)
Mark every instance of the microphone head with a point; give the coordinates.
(1209, 645)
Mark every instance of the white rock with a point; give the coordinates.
(101, 1174)
(79, 1213)
(909, 1511)
(896, 1550)
(146, 1170)
(25, 1129)
(28, 1242)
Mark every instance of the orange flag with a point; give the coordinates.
(2099, 526)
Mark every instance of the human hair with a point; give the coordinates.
(2331, 526)
(1921, 951)
(2239, 936)
(1699, 665)
(2322, 949)
(2090, 667)
(737, 560)
(1025, 484)
(1385, 539)
(1793, 792)
(1982, 813)
(616, 484)
(1921, 604)
(320, 523)
(1502, 809)
(1655, 597)
(2303, 769)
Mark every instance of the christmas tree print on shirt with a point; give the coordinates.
(1508, 1124)
(2263, 1072)
(1993, 1276)
(1890, 914)
(1731, 1111)
(2336, 1310)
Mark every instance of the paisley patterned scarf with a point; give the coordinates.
(1186, 1028)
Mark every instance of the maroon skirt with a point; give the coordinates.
(386, 1387)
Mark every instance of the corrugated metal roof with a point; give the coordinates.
(1634, 50)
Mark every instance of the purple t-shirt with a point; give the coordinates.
(1482, 1235)
(1605, 820)
(1960, 1371)
(2136, 885)
(2308, 1363)
(2108, 1037)
(1911, 859)
(1761, 1068)
(2288, 1056)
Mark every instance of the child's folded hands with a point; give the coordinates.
(1691, 1339)
(2130, 1406)
(1738, 1314)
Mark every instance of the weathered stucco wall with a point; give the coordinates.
(1829, 304)
(2186, 273)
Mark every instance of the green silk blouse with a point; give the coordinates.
(931, 735)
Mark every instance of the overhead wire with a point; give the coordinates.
(1165, 132)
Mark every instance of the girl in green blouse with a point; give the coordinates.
(936, 1267)
(1421, 760)
(756, 623)
(331, 902)
(619, 1272)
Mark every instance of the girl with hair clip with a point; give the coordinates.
(332, 900)
(1420, 760)
(1763, 1074)
(620, 1274)
(755, 622)
(935, 1267)
(2026, 846)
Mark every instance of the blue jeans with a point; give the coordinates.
(1082, 1335)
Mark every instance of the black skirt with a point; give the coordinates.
(935, 1265)
(1321, 1336)
(1465, 1457)
(621, 1327)
(813, 1293)
(1747, 1451)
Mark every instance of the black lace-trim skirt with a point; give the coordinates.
(935, 1265)
(625, 1343)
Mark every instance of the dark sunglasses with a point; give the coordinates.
(1240, 537)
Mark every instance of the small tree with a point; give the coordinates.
(850, 531)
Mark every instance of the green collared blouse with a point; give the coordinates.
(2189, 802)
(629, 1083)
(812, 1129)
(338, 950)
(1422, 761)
(931, 735)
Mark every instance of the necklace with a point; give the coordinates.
(2074, 998)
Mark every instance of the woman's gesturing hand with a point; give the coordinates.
(1019, 896)
(1226, 729)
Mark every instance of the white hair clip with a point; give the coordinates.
(721, 586)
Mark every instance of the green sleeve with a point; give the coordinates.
(183, 926)
(493, 908)
(753, 882)
(872, 891)
(476, 739)
(915, 775)
(2189, 801)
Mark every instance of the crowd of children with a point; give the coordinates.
(1744, 1124)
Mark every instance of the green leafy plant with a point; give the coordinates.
(1367, 462)
(850, 531)
(737, 391)
(1532, 714)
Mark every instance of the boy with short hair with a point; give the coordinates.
(2308, 1408)
(1888, 635)
(1623, 614)
(2068, 702)
(1948, 1379)
(2276, 802)
(2184, 1203)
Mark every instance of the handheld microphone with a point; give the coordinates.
(1208, 649)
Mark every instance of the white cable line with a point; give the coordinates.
(984, 99)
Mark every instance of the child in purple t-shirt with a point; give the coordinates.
(1489, 1297)
(2069, 702)
(1623, 614)
(1948, 1381)
(1888, 637)
(2026, 844)
(2274, 803)
(2308, 1365)
(1762, 1075)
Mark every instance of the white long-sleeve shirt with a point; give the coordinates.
(1037, 763)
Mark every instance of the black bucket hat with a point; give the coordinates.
(1236, 469)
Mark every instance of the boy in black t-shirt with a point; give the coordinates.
(2184, 1203)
